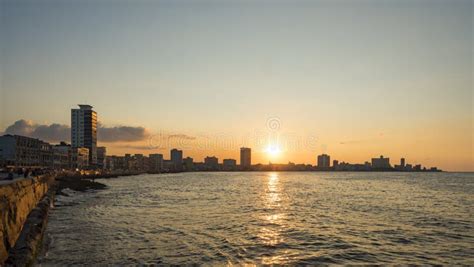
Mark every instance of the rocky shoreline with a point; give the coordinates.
(77, 184)
(29, 242)
(84, 182)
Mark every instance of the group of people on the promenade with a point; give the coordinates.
(13, 173)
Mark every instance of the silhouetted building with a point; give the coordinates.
(344, 166)
(101, 156)
(324, 162)
(177, 159)
(109, 163)
(140, 162)
(188, 164)
(335, 163)
(156, 162)
(169, 166)
(245, 158)
(283, 167)
(402, 166)
(381, 163)
(84, 130)
(116, 163)
(212, 163)
(229, 164)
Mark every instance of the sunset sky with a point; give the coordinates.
(353, 79)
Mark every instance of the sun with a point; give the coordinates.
(273, 150)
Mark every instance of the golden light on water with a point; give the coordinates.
(273, 191)
(274, 219)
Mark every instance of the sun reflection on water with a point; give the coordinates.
(273, 191)
(273, 220)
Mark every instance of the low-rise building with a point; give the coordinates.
(156, 162)
(62, 156)
(188, 164)
(381, 163)
(212, 163)
(116, 163)
(101, 156)
(345, 166)
(229, 164)
(79, 158)
(22, 151)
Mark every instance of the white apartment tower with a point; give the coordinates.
(84, 130)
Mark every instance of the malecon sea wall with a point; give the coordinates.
(17, 200)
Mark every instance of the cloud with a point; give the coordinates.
(59, 132)
(52, 132)
(121, 134)
(142, 147)
(181, 136)
(21, 127)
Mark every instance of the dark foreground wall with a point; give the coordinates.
(17, 200)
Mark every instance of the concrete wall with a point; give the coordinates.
(17, 199)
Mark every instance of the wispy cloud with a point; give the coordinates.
(181, 136)
(139, 147)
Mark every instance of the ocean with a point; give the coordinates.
(221, 218)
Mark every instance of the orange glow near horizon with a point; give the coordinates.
(273, 151)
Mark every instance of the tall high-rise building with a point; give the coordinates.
(177, 158)
(245, 158)
(324, 161)
(402, 162)
(84, 130)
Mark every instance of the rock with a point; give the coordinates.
(17, 200)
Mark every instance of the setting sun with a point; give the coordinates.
(273, 150)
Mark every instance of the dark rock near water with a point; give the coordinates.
(77, 184)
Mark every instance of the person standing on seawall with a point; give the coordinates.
(10, 175)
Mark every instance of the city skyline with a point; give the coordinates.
(267, 152)
(83, 153)
(21, 152)
(353, 80)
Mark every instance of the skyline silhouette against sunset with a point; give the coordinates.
(236, 132)
(292, 81)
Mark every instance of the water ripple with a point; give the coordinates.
(267, 218)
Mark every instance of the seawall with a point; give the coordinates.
(17, 199)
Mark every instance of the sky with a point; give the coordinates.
(353, 79)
